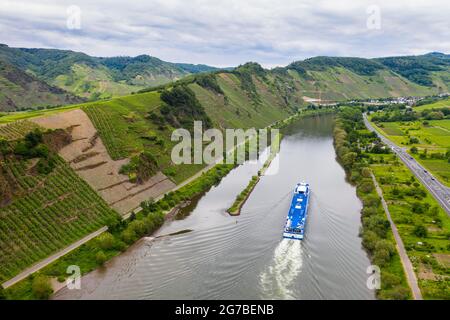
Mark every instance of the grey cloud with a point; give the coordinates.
(229, 32)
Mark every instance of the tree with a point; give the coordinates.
(349, 159)
(106, 241)
(381, 256)
(420, 231)
(365, 172)
(413, 140)
(367, 186)
(129, 236)
(369, 240)
(41, 287)
(414, 150)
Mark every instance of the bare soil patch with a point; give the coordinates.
(88, 156)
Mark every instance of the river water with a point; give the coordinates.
(222, 257)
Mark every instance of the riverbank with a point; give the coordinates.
(422, 224)
(120, 236)
(351, 141)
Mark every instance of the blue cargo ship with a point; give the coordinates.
(298, 212)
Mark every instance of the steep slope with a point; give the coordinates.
(96, 77)
(45, 206)
(20, 90)
(333, 78)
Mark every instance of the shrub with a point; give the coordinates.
(100, 257)
(106, 241)
(420, 231)
(365, 172)
(381, 256)
(413, 140)
(390, 280)
(128, 236)
(369, 240)
(41, 287)
(367, 186)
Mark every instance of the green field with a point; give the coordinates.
(409, 211)
(438, 104)
(433, 137)
(421, 222)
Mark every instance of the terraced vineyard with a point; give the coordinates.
(46, 214)
(104, 124)
(16, 130)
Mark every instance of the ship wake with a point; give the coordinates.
(277, 280)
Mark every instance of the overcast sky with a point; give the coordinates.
(230, 32)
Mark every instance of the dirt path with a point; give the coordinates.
(407, 265)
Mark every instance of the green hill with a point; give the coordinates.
(96, 77)
(431, 70)
(21, 90)
(314, 79)
(335, 78)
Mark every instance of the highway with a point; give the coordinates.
(437, 189)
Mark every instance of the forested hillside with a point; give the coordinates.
(319, 79)
(19, 89)
(96, 77)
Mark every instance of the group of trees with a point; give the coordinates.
(209, 81)
(181, 108)
(417, 69)
(357, 65)
(141, 167)
(245, 74)
(351, 145)
(401, 114)
(31, 146)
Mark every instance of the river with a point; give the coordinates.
(244, 257)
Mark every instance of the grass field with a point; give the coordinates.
(434, 137)
(396, 181)
(438, 104)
